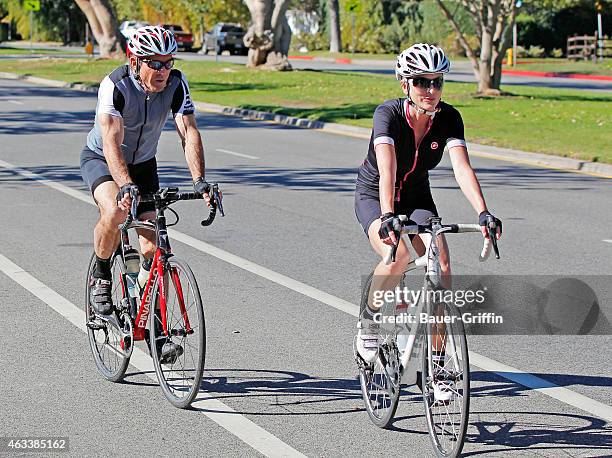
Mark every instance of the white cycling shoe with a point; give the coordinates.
(367, 339)
(443, 391)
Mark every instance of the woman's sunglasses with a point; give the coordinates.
(158, 64)
(426, 83)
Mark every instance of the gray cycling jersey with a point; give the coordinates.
(144, 115)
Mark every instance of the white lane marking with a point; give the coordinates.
(226, 417)
(16, 102)
(234, 153)
(565, 395)
(607, 240)
(523, 378)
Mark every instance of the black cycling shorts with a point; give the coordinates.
(94, 170)
(418, 209)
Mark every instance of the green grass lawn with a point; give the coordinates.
(564, 66)
(555, 121)
(52, 52)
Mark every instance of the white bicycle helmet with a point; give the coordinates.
(419, 59)
(151, 40)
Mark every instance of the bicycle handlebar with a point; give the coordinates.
(166, 196)
(414, 229)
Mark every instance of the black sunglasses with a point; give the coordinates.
(426, 83)
(158, 64)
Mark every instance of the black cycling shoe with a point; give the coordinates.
(100, 295)
(170, 352)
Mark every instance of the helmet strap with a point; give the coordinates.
(419, 109)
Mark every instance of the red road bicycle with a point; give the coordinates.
(176, 335)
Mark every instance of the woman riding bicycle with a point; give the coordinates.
(409, 136)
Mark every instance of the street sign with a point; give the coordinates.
(31, 5)
(352, 6)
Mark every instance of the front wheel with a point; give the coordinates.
(108, 336)
(446, 383)
(179, 356)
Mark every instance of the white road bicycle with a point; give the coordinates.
(441, 344)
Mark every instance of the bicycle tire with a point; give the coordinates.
(381, 404)
(178, 394)
(109, 361)
(447, 429)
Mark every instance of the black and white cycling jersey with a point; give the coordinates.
(392, 125)
(144, 115)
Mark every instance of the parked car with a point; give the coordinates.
(184, 40)
(225, 37)
(127, 28)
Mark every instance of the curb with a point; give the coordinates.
(491, 152)
(578, 76)
(52, 83)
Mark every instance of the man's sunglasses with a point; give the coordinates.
(158, 64)
(426, 83)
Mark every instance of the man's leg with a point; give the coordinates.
(106, 239)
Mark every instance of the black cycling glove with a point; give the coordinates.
(126, 189)
(388, 224)
(201, 185)
(485, 219)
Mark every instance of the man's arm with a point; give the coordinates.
(112, 137)
(192, 144)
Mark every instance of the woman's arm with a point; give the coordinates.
(387, 168)
(466, 178)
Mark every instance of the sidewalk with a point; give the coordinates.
(492, 152)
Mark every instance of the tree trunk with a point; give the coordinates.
(101, 18)
(269, 35)
(335, 38)
(493, 19)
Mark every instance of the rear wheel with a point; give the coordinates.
(180, 371)
(446, 384)
(107, 336)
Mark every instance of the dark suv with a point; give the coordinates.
(225, 37)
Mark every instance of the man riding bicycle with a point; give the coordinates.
(133, 105)
(409, 137)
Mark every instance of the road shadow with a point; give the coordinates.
(519, 176)
(325, 114)
(283, 392)
(499, 386)
(529, 432)
(15, 92)
(201, 88)
(45, 122)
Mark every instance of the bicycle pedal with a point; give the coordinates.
(95, 326)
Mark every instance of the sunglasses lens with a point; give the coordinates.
(425, 83)
(158, 65)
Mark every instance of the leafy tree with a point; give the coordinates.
(493, 21)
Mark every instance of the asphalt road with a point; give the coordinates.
(278, 358)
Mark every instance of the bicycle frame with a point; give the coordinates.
(159, 268)
(430, 260)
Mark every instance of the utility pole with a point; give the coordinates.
(518, 4)
(600, 40)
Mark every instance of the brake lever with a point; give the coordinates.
(492, 231)
(215, 203)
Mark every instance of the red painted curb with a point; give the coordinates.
(578, 76)
(343, 60)
(302, 57)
